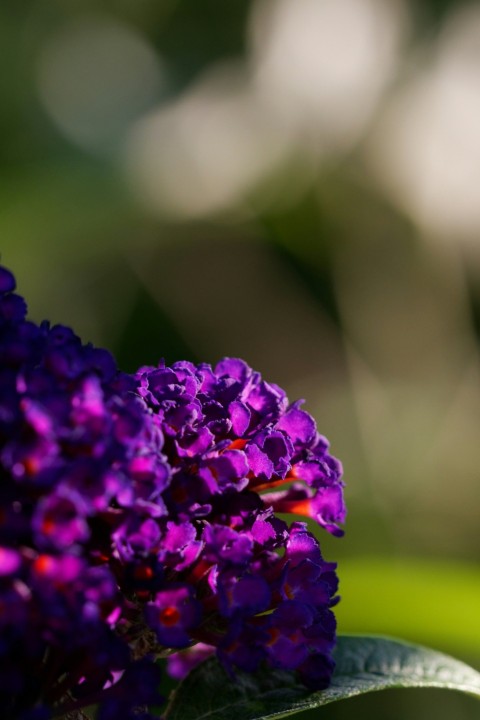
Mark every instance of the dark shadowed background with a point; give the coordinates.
(296, 183)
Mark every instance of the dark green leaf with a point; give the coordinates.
(364, 664)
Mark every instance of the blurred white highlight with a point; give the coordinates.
(427, 148)
(316, 73)
(95, 76)
(205, 150)
(323, 64)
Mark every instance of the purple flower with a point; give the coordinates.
(139, 516)
(225, 545)
(240, 454)
(172, 615)
(60, 520)
(243, 596)
(79, 454)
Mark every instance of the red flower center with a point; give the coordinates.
(170, 616)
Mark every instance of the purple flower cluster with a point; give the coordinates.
(138, 519)
(241, 580)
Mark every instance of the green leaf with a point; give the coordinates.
(394, 610)
(364, 664)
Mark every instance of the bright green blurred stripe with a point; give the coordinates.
(429, 602)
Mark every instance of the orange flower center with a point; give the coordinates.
(170, 616)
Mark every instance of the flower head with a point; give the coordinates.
(138, 518)
(72, 434)
(239, 454)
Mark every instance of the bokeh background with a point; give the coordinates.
(296, 182)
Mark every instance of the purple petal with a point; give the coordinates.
(319, 472)
(263, 531)
(229, 469)
(173, 614)
(225, 544)
(240, 416)
(302, 545)
(233, 367)
(178, 536)
(292, 615)
(179, 664)
(247, 596)
(259, 462)
(7, 281)
(13, 308)
(195, 442)
(299, 425)
(10, 561)
(60, 520)
(286, 653)
(316, 671)
(268, 400)
(329, 508)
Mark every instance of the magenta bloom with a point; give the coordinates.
(138, 515)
